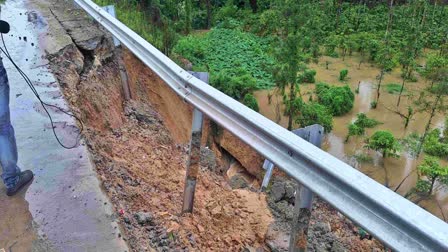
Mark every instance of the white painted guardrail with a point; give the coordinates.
(400, 224)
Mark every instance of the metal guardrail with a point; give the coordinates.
(397, 222)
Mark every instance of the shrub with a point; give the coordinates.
(358, 128)
(363, 158)
(339, 100)
(343, 74)
(308, 76)
(385, 142)
(314, 113)
(251, 102)
(364, 122)
(234, 85)
(393, 88)
(433, 145)
(229, 50)
(373, 104)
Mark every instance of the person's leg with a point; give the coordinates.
(8, 148)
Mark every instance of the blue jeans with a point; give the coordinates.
(8, 147)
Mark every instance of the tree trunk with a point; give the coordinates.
(433, 112)
(402, 85)
(432, 185)
(386, 179)
(292, 97)
(379, 86)
(253, 5)
(389, 22)
(209, 14)
(404, 179)
(188, 9)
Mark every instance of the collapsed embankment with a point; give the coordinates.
(139, 148)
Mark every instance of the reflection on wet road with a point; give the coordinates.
(64, 209)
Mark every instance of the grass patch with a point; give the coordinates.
(363, 158)
(394, 88)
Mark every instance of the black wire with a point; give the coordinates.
(44, 104)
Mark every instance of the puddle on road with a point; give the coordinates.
(334, 142)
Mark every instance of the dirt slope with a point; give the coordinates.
(143, 171)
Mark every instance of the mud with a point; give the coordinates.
(335, 141)
(222, 218)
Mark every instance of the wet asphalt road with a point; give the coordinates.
(64, 209)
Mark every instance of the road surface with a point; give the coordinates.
(64, 209)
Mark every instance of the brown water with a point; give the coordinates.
(397, 168)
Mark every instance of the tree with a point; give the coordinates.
(358, 128)
(314, 113)
(407, 117)
(285, 75)
(384, 142)
(407, 61)
(354, 130)
(209, 13)
(188, 16)
(343, 74)
(290, 61)
(434, 146)
(436, 69)
(386, 61)
(431, 101)
(433, 171)
(339, 100)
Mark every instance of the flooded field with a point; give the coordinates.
(376, 168)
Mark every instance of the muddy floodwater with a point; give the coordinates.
(366, 76)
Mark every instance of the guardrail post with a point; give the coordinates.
(269, 167)
(124, 77)
(194, 154)
(304, 196)
(111, 10)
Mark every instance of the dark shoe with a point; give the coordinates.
(24, 178)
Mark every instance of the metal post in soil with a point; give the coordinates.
(194, 154)
(304, 197)
(124, 77)
(269, 167)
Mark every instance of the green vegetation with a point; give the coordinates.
(434, 145)
(343, 74)
(339, 100)
(308, 76)
(393, 88)
(314, 113)
(228, 50)
(250, 45)
(358, 128)
(384, 142)
(250, 101)
(235, 84)
(431, 171)
(432, 101)
(364, 122)
(363, 158)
